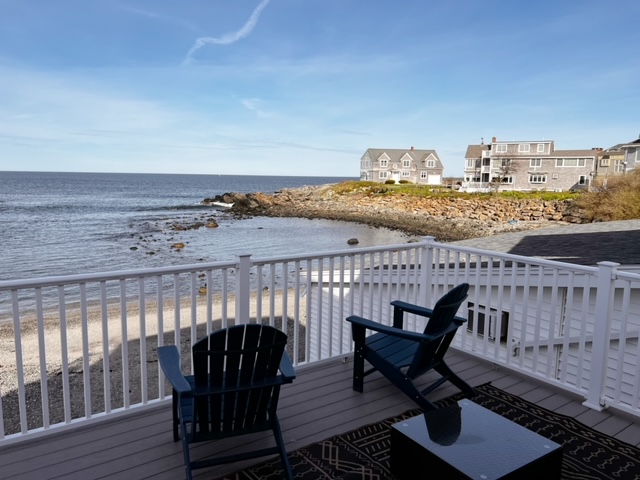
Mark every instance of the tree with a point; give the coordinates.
(503, 174)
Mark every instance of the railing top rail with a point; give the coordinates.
(114, 275)
(518, 258)
(188, 268)
(177, 269)
(624, 275)
(337, 253)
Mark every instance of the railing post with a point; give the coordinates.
(426, 272)
(601, 334)
(243, 288)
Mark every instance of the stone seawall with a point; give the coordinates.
(446, 218)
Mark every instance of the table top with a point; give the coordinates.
(476, 441)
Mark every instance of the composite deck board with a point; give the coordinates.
(320, 403)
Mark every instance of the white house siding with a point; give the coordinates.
(563, 323)
(335, 338)
(569, 328)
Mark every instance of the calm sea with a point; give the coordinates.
(70, 223)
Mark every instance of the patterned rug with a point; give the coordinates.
(364, 453)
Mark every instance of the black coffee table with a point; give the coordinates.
(469, 441)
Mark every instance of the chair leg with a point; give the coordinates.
(185, 450)
(444, 370)
(176, 420)
(284, 458)
(358, 369)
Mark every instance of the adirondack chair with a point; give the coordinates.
(401, 355)
(234, 390)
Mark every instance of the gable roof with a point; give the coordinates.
(396, 154)
(475, 151)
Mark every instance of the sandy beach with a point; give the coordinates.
(139, 359)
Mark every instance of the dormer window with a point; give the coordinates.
(541, 148)
(501, 148)
(406, 163)
(384, 163)
(431, 163)
(524, 148)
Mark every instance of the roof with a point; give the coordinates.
(396, 154)
(583, 244)
(575, 153)
(475, 151)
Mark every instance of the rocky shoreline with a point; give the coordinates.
(446, 218)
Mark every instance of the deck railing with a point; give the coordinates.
(76, 349)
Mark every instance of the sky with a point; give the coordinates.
(304, 87)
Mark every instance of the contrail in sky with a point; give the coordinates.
(229, 37)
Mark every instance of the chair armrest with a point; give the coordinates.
(396, 332)
(169, 359)
(411, 308)
(286, 367)
(460, 320)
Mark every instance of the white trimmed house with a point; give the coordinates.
(527, 166)
(422, 167)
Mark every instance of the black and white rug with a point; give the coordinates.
(364, 453)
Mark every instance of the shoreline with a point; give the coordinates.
(444, 218)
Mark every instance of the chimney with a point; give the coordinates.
(494, 140)
(412, 148)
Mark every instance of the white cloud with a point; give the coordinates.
(229, 38)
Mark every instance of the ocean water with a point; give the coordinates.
(73, 223)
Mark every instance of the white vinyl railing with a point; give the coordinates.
(76, 349)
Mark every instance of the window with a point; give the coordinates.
(406, 163)
(570, 162)
(582, 180)
(507, 180)
(382, 175)
(618, 167)
(471, 163)
(535, 163)
(537, 179)
(406, 173)
(497, 327)
(505, 162)
(431, 163)
(524, 147)
(604, 162)
(541, 148)
(423, 175)
(501, 149)
(384, 163)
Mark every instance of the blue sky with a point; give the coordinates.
(304, 87)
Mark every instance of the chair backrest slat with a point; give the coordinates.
(444, 312)
(237, 359)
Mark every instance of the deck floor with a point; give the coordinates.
(320, 403)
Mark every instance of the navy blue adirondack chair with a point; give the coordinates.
(235, 388)
(401, 355)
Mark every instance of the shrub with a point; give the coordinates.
(612, 198)
(404, 182)
(389, 182)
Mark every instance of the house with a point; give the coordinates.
(619, 159)
(527, 166)
(611, 161)
(421, 167)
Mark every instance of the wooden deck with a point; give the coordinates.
(319, 404)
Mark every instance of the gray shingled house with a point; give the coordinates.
(527, 166)
(416, 166)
